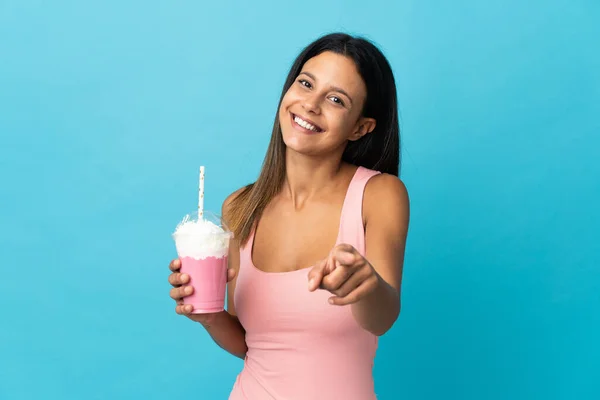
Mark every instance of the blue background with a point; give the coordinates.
(107, 109)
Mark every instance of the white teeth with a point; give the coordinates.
(305, 124)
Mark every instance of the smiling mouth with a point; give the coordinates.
(307, 125)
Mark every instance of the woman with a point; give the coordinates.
(316, 266)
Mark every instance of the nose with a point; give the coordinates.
(311, 104)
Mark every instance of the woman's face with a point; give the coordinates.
(321, 111)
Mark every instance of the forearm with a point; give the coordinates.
(378, 311)
(226, 330)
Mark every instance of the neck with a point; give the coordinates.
(306, 177)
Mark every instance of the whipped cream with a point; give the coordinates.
(200, 239)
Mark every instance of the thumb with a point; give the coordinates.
(315, 275)
(231, 273)
(345, 257)
(345, 254)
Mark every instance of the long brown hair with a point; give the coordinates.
(379, 150)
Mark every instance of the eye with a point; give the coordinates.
(305, 83)
(337, 100)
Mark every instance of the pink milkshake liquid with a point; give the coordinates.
(209, 278)
(202, 245)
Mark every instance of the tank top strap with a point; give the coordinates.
(352, 229)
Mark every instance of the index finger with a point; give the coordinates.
(315, 275)
(175, 265)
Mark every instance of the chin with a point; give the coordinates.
(298, 144)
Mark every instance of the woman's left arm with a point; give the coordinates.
(371, 284)
(386, 214)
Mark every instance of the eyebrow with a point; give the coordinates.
(334, 88)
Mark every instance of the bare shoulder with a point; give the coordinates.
(386, 195)
(388, 186)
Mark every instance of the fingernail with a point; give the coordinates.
(184, 278)
(331, 300)
(188, 289)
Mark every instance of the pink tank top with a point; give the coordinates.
(300, 346)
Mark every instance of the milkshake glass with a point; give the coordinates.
(202, 243)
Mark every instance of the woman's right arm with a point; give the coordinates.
(224, 327)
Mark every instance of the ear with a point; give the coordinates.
(363, 126)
